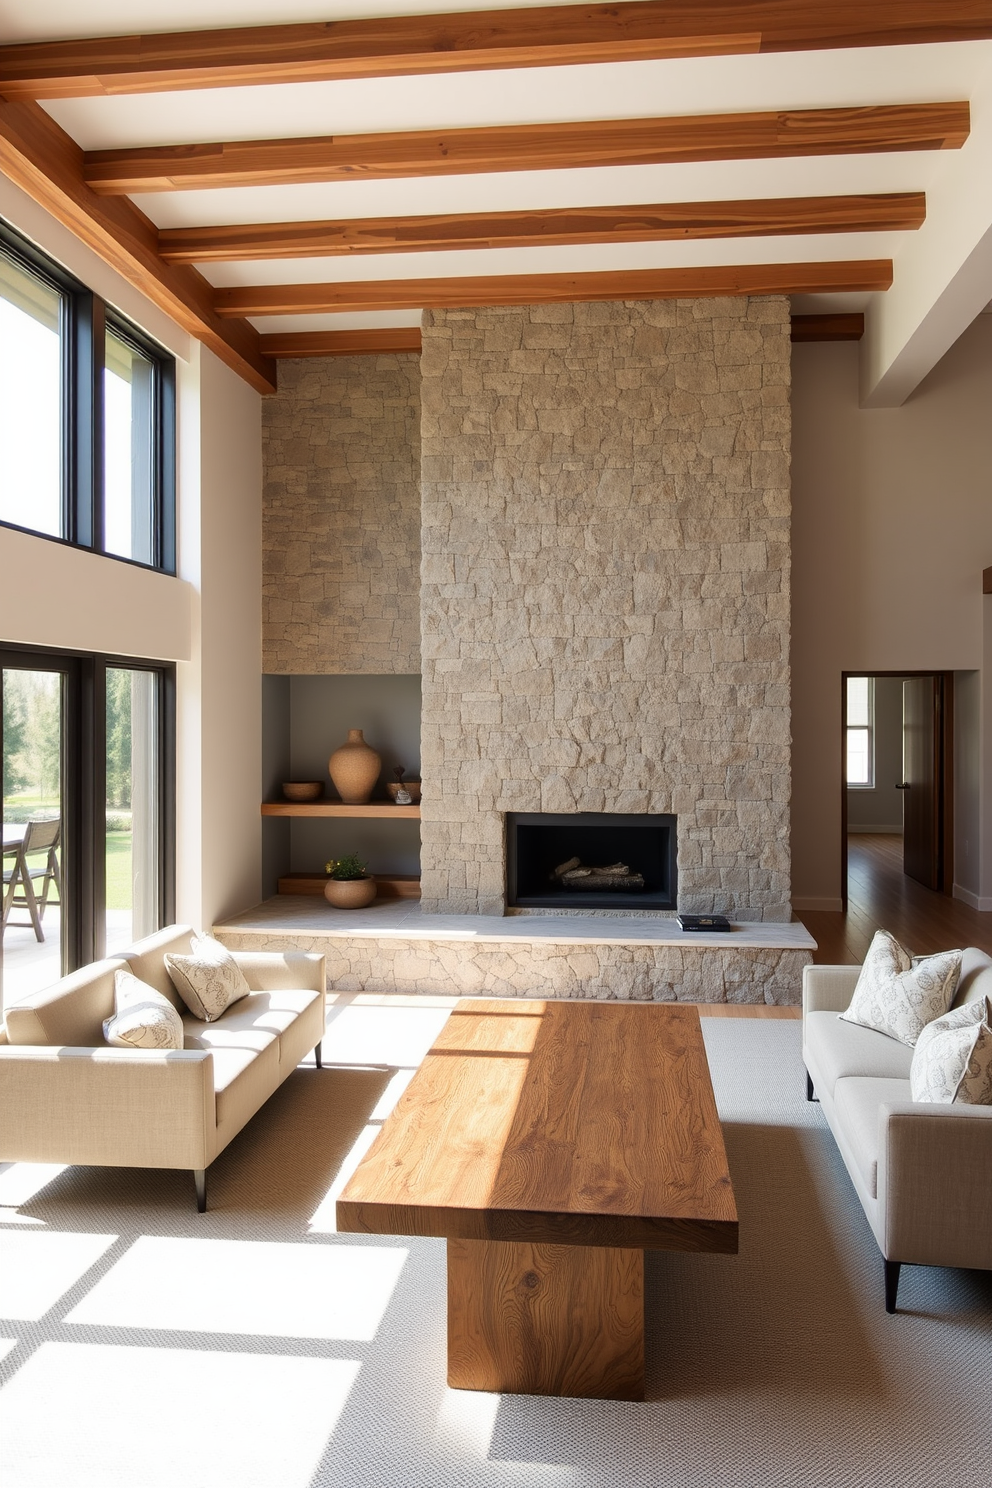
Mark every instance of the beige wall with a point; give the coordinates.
(220, 699)
(342, 517)
(892, 526)
(54, 595)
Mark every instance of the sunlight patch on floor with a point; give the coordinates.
(37, 1269)
(22, 1182)
(159, 1417)
(263, 1288)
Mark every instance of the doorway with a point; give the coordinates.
(897, 769)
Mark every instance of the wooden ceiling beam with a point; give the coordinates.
(549, 36)
(37, 155)
(845, 277)
(515, 147)
(675, 221)
(342, 343)
(839, 327)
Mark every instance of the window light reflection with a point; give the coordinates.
(262, 1288)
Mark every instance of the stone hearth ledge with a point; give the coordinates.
(398, 948)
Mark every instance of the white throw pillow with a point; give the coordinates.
(209, 981)
(899, 994)
(143, 1017)
(953, 1057)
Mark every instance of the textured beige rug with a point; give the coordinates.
(148, 1347)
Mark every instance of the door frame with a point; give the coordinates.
(943, 772)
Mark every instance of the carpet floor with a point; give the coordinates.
(146, 1346)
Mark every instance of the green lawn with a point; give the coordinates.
(119, 885)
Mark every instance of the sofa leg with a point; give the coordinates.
(318, 1056)
(809, 1087)
(200, 1179)
(892, 1269)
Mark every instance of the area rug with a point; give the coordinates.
(252, 1347)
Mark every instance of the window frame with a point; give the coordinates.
(867, 728)
(85, 320)
(84, 788)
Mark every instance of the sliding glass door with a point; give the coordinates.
(87, 811)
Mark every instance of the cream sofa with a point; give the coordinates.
(923, 1172)
(68, 1097)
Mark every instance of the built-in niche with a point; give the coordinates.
(304, 719)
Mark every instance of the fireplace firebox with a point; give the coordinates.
(539, 845)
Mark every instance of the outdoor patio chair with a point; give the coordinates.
(20, 878)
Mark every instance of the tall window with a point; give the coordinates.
(32, 408)
(860, 731)
(87, 416)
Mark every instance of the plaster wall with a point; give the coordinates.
(892, 526)
(219, 705)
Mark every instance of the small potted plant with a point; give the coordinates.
(349, 884)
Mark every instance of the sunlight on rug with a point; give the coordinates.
(147, 1346)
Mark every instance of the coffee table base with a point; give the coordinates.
(546, 1319)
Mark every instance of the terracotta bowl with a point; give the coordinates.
(303, 790)
(413, 786)
(350, 893)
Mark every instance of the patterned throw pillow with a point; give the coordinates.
(143, 1019)
(953, 1058)
(209, 981)
(899, 994)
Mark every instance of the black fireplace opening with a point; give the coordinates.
(540, 845)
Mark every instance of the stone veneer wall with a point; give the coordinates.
(341, 526)
(605, 595)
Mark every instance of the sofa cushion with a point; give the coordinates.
(69, 1014)
(953, 1058)
(976, 977)
(856, 1102)
(146, 959)
(209, 981)
(143, 1019)
(898, 994)
(840, 1049)
(244, 1078)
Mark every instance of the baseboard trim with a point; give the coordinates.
(869, 831)
(834, 905)
(972, 900)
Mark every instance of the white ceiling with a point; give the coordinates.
(958, 183)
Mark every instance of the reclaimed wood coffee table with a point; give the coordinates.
(550, 1144)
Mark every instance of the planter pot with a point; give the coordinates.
(354, 768)
(350, 893)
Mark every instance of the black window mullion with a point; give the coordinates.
(85, 468)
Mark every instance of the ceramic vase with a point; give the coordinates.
(350, 893)
(354, 768)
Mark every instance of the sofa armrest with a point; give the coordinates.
(935, 1183)
(138, 1108)
(828, 989)
(275, 971)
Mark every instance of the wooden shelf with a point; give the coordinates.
(338, 808)
(388, 885)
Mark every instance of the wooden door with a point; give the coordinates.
(921, 852)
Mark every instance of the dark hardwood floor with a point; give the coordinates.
(881, 897)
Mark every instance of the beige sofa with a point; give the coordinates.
(68, 1097)
(923, 1172)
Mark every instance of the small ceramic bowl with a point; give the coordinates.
(413, 786)
(303, 790)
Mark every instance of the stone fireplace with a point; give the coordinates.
(605, 588)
